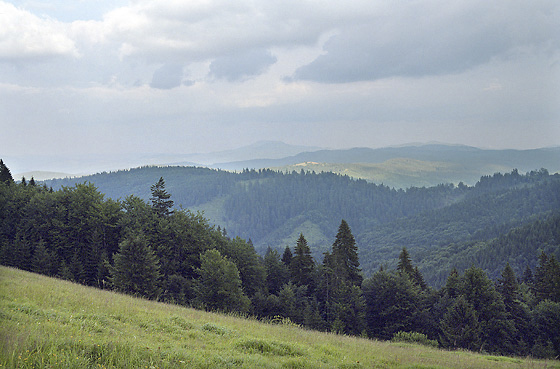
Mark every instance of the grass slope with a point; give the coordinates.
(48, 323)
(402, 172)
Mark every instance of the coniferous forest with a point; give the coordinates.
(154, 249)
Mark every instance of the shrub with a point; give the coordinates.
(414, 337)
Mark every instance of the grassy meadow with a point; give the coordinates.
(49, 323)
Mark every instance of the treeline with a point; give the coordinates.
(150, 249)
(273, 208)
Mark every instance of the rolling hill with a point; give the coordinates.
(273, 208)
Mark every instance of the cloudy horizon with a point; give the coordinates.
(143, 76)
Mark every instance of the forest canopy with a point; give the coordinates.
(155, 250)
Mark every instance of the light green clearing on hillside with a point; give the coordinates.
(401, 172)
(48, 323)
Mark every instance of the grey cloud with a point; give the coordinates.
(242, 65)
(167, 77)
(434, 40)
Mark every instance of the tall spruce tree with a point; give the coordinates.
(345, 254)
(5, 174)
(287, 256)
(161, 202)
(460, 326)
(302, 264)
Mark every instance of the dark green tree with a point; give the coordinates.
(345, 254)
(516, 311)
(405, 263)
(161, 202)
(248, 262)
(460, 326)
(287, 256)
(546, 322)
(44, 261)
(5, 174)
(479, 291)
(302, 264)
(547, 278)
(136, 268)
(219, 285)
(277, 273)
(391, 304)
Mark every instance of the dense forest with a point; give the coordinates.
(151, 248)
(273, 208)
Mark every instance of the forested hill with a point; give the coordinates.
(273, 209)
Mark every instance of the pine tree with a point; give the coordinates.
(160, 199)
(507, 286)
(345, 254)
(516, 312)
(479, 291)
(277, 274)
(5, 174)
(287, 256)
(460, 326)
(405, 263)
(302, 264)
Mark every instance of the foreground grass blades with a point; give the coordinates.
(48, 323)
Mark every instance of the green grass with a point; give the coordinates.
(48, 323)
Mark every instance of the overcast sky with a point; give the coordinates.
(181, 76)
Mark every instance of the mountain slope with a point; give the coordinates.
(46, 323)
(272, 208)
(465, 157)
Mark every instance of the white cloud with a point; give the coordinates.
(202, 75)
(27, 36)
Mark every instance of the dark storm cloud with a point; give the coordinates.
(434, 38)
(242, 65)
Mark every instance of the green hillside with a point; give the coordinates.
(402, 172)
(272, 209)
(49, 323)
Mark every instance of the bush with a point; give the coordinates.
(414, 337)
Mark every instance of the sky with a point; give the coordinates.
(87, 77)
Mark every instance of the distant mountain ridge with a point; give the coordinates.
(462, 161)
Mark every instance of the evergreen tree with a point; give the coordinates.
(546, 322)
(391, 304)
(497, 330)
(345, 254)
(460, 326)
(43, 260)
(287, 256)
(160, 198)
(516, 312)
(507, 286)
(405, 263)
(349, 311)
(302, 264)
(547, 278)
(277, 274)
(452, 287)
(219, 285)
(5, 174)
(528, 276)
(136, 269)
